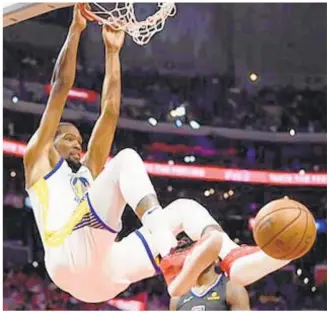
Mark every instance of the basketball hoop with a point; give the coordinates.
(122, 17)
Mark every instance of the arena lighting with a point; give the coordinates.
(225, 195)
(194, 125)
(187, 159)
(231, 192)
(178, 123)
(212, 191)
(209, 172)
(152, 121)
(14, 99)
(207, 193)
(302, 172)
(292, 132)
(13, 174)
(169, 188)
(299, 272)
(236, 240)
(306, 280)
(313, 289)
(253, 77)
(171, 162)
(178, 112)
(35, 264)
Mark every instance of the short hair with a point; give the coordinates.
(61, 125)
(185, 243)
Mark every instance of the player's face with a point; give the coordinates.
(68, 143)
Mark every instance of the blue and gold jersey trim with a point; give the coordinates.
(83, 216)
(155, 261)
(56, 238)
(55, 169)
(211, 296)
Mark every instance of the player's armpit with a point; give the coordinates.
(173, 303)
(237, 297)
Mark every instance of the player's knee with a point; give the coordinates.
(129, 155)
(187, 206)
(183, 203)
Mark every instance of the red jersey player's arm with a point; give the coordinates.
(173, 303)
(103, 133)
(62, 81)
(237, 297)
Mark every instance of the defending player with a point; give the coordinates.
(78, 228)
(242, 264)
(213, 291)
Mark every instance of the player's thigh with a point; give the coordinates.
(105, 199)
(134, 257)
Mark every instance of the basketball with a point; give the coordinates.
(284, 229)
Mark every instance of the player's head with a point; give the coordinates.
(185, 244)
(68, 142)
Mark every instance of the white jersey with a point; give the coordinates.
(71, 247)
(56, 196)
(81, 254)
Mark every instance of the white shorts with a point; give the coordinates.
(90, 265)
(107, 271)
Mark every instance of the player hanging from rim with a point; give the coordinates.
(71, 222)
(213, 291)
(78, 228)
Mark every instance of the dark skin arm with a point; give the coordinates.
(237, 297)
(103, 133)
(204, 254)
(173, 303)
(62, 81)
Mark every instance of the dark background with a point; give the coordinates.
(201, 61)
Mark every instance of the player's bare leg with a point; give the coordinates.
(244, 265)
(247, 264)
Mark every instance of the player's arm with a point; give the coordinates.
(62, 81)
(237, 297)
(103, 133)
(204, 254)
(173, 303)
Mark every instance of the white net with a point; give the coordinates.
(122, 16)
